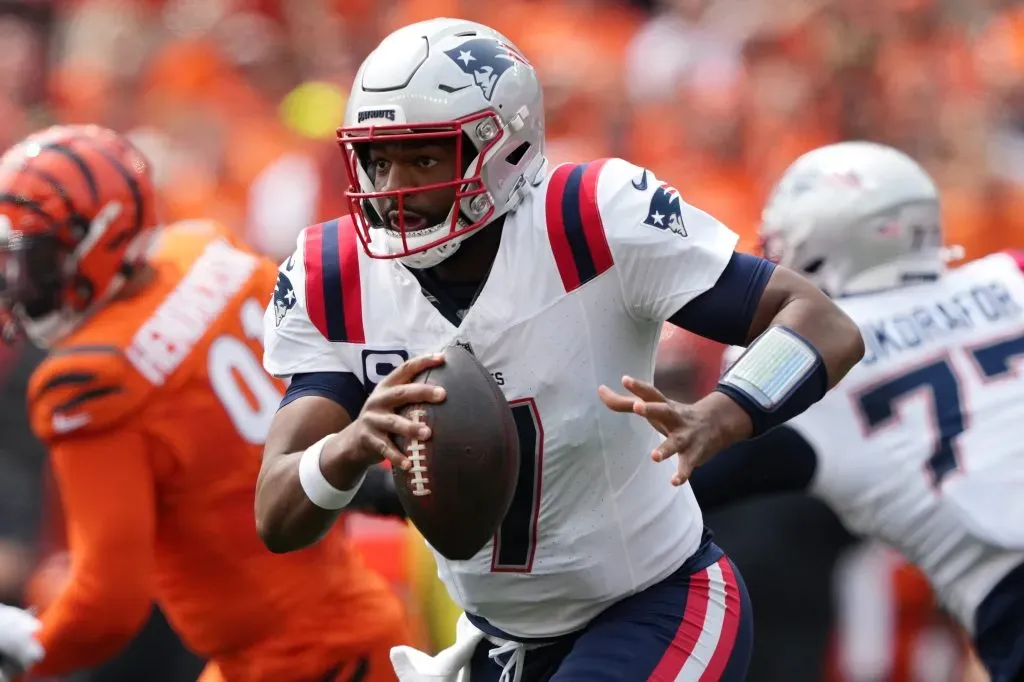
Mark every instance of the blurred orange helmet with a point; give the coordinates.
(76, 216)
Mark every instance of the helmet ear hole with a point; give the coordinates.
(814, 266)
(517, 154)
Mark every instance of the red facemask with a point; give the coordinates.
(374, 211)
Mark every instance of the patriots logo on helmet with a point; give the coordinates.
(486, 60)
(666, 211)
(813, 179)
(284, 297)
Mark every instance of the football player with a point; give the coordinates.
(155, 408)
(559, 280)
(922, 444)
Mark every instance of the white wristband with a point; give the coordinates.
(317, 488)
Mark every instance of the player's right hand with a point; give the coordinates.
(19, 648)
(368, 439)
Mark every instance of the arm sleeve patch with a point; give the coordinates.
(667, 252)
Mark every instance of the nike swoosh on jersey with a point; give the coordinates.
(64, 424)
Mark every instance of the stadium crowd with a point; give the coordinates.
(236, 103)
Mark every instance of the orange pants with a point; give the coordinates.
(372, 665)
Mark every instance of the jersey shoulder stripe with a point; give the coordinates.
(575, 229)
(83, 389)
(333, 288)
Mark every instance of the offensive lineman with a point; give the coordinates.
(922, 444)
(558, 279)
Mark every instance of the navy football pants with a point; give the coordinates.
(695, 626)
(999, 629)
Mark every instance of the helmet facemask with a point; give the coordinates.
(380, 216)
(44, 291)
(32, 287)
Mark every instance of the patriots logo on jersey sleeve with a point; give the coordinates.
(666, 211)
(284, 297)
(486, 60)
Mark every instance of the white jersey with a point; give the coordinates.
(922, 443)
(588, 268)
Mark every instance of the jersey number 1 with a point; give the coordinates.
(248, 395)
(515, 543)
(879, 404)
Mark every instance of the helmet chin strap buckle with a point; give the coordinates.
(518, 121)
(430, 257)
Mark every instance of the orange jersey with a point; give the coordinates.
(155, 412)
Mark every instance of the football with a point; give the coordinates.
(463, 477)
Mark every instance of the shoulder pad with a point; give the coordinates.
(82, 389)
(332, 286)
(667, 252)
(317, 301)
(1018, 257)
(633, 198)
(575, 224)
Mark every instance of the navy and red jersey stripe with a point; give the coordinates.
(577, 234)
(334, 297)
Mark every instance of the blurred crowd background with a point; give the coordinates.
(236, 103)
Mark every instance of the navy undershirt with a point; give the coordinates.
(779, 461)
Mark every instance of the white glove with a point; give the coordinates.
(450, 665)
(19, 648)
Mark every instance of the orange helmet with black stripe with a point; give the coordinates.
(76, 215)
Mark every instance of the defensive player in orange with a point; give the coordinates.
(154, 406)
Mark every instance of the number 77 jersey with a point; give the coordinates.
(922, 444)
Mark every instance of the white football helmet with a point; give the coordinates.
(855, 217)
(444, 79)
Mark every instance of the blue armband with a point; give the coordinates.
(779, 376)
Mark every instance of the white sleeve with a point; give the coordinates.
(291, 343)
(666, 251)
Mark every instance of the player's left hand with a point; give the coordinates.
(19, 648)
(694, 433)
